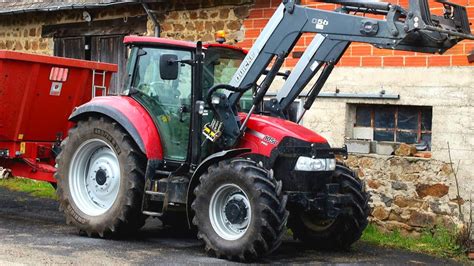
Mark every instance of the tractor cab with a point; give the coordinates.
(162, 78)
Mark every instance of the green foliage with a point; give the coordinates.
(32, 187)
(438, 241)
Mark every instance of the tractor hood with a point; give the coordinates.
(264, 133)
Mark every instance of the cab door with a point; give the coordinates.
(168, 101)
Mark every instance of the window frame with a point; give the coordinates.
(419, 109)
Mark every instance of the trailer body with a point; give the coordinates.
(37, 95)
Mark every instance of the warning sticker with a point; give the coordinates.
(56, 88)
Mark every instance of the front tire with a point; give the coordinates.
(239, 210)
(100, 179)
(347, 228)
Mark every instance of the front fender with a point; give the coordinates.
(131, 116)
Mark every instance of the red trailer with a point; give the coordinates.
(37, 95)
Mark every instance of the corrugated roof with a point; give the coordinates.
(15, 7)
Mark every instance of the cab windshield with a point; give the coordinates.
(220, 64)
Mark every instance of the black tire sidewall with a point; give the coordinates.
(103, 130)
(229, 176)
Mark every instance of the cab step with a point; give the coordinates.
(154, 197)
(153, 214)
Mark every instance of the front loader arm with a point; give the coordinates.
(414, 29)
(401, 30)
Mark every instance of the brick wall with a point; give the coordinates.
(363, 54)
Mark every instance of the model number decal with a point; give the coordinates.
(265, 138)
(270, 140)
(320, 23)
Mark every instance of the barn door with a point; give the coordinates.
(110, 49)
(71, 47)
(98, 40)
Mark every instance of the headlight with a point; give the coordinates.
(316, 164)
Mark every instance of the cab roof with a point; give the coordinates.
(141, 40)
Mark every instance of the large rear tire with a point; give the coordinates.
(100, 179)
(239, 210)
(347, 228)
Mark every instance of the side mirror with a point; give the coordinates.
(169, 67)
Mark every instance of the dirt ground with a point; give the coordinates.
(32, 231)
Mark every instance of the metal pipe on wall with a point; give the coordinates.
(153, 18)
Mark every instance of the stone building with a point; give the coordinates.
(374, 97)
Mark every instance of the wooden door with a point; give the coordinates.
(70, 47)
(110, 49)
(99, 40)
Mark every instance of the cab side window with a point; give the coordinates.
(168, 101)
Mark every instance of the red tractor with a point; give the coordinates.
(192, 141)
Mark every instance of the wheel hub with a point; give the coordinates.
(235, 211)
(101, 177)
(230, 212)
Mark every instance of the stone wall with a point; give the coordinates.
(190, 20)
(408, 194)
(22, 32)
(201, 20)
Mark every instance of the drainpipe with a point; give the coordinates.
(152, 16)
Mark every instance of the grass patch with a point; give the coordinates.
(34, 188)
(439, 242)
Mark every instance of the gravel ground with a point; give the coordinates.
(32, 231)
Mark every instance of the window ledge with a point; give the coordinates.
(381, 156)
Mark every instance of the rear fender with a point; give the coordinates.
(131, 116)
(203, 166)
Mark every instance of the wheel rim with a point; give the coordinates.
(315, 224)
(94, 177)
(230, 212)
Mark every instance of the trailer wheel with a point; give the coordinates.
(239, 210)
(100, 179)
(342, 232)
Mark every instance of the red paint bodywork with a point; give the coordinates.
(176, 43)
(159, 41)
(223, 45)
(139, 117)
(275, 128)
(31, 115)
